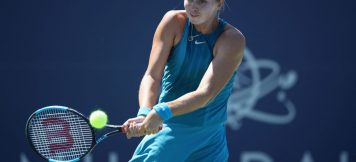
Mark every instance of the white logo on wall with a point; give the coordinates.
(251, 85)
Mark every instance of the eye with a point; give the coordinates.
(198, 1)
(201, 1)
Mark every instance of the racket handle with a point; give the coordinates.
(118, 127)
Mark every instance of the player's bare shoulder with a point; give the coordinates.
(177, 16)
(175, 20)
(231, 41)
(170, 28)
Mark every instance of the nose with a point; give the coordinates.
(193, 4)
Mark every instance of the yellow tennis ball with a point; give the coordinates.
(98, 119)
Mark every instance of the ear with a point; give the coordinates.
(221, 3)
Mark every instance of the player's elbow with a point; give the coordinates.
(151, 78)
(207, 94)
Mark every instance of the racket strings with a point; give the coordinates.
(60, 134)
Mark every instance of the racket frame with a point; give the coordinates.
(95, 140)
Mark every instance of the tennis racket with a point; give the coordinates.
(62, 134)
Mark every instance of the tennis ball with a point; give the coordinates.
(98, 119)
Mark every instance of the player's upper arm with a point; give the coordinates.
(163, 41)
(228, 56)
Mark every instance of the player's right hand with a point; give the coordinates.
(132, 125)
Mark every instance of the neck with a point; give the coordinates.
(207, 27)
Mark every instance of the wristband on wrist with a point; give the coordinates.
(143, 111)
(163, 110)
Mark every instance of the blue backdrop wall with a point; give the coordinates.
(293, 99)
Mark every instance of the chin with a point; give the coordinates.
(195, 20)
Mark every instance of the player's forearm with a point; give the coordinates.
(148, 92)
(189, 102)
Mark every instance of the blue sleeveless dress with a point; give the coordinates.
(199, 135)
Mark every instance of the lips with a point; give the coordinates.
(193, 15)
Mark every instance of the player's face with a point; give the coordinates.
(200, 11)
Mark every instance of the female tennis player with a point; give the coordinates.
(194, 58)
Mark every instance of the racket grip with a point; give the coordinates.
(118, 127)
(121, 129)
(160, 127)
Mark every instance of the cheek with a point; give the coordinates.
(207, 11)
(186, 4)
(186, 7)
